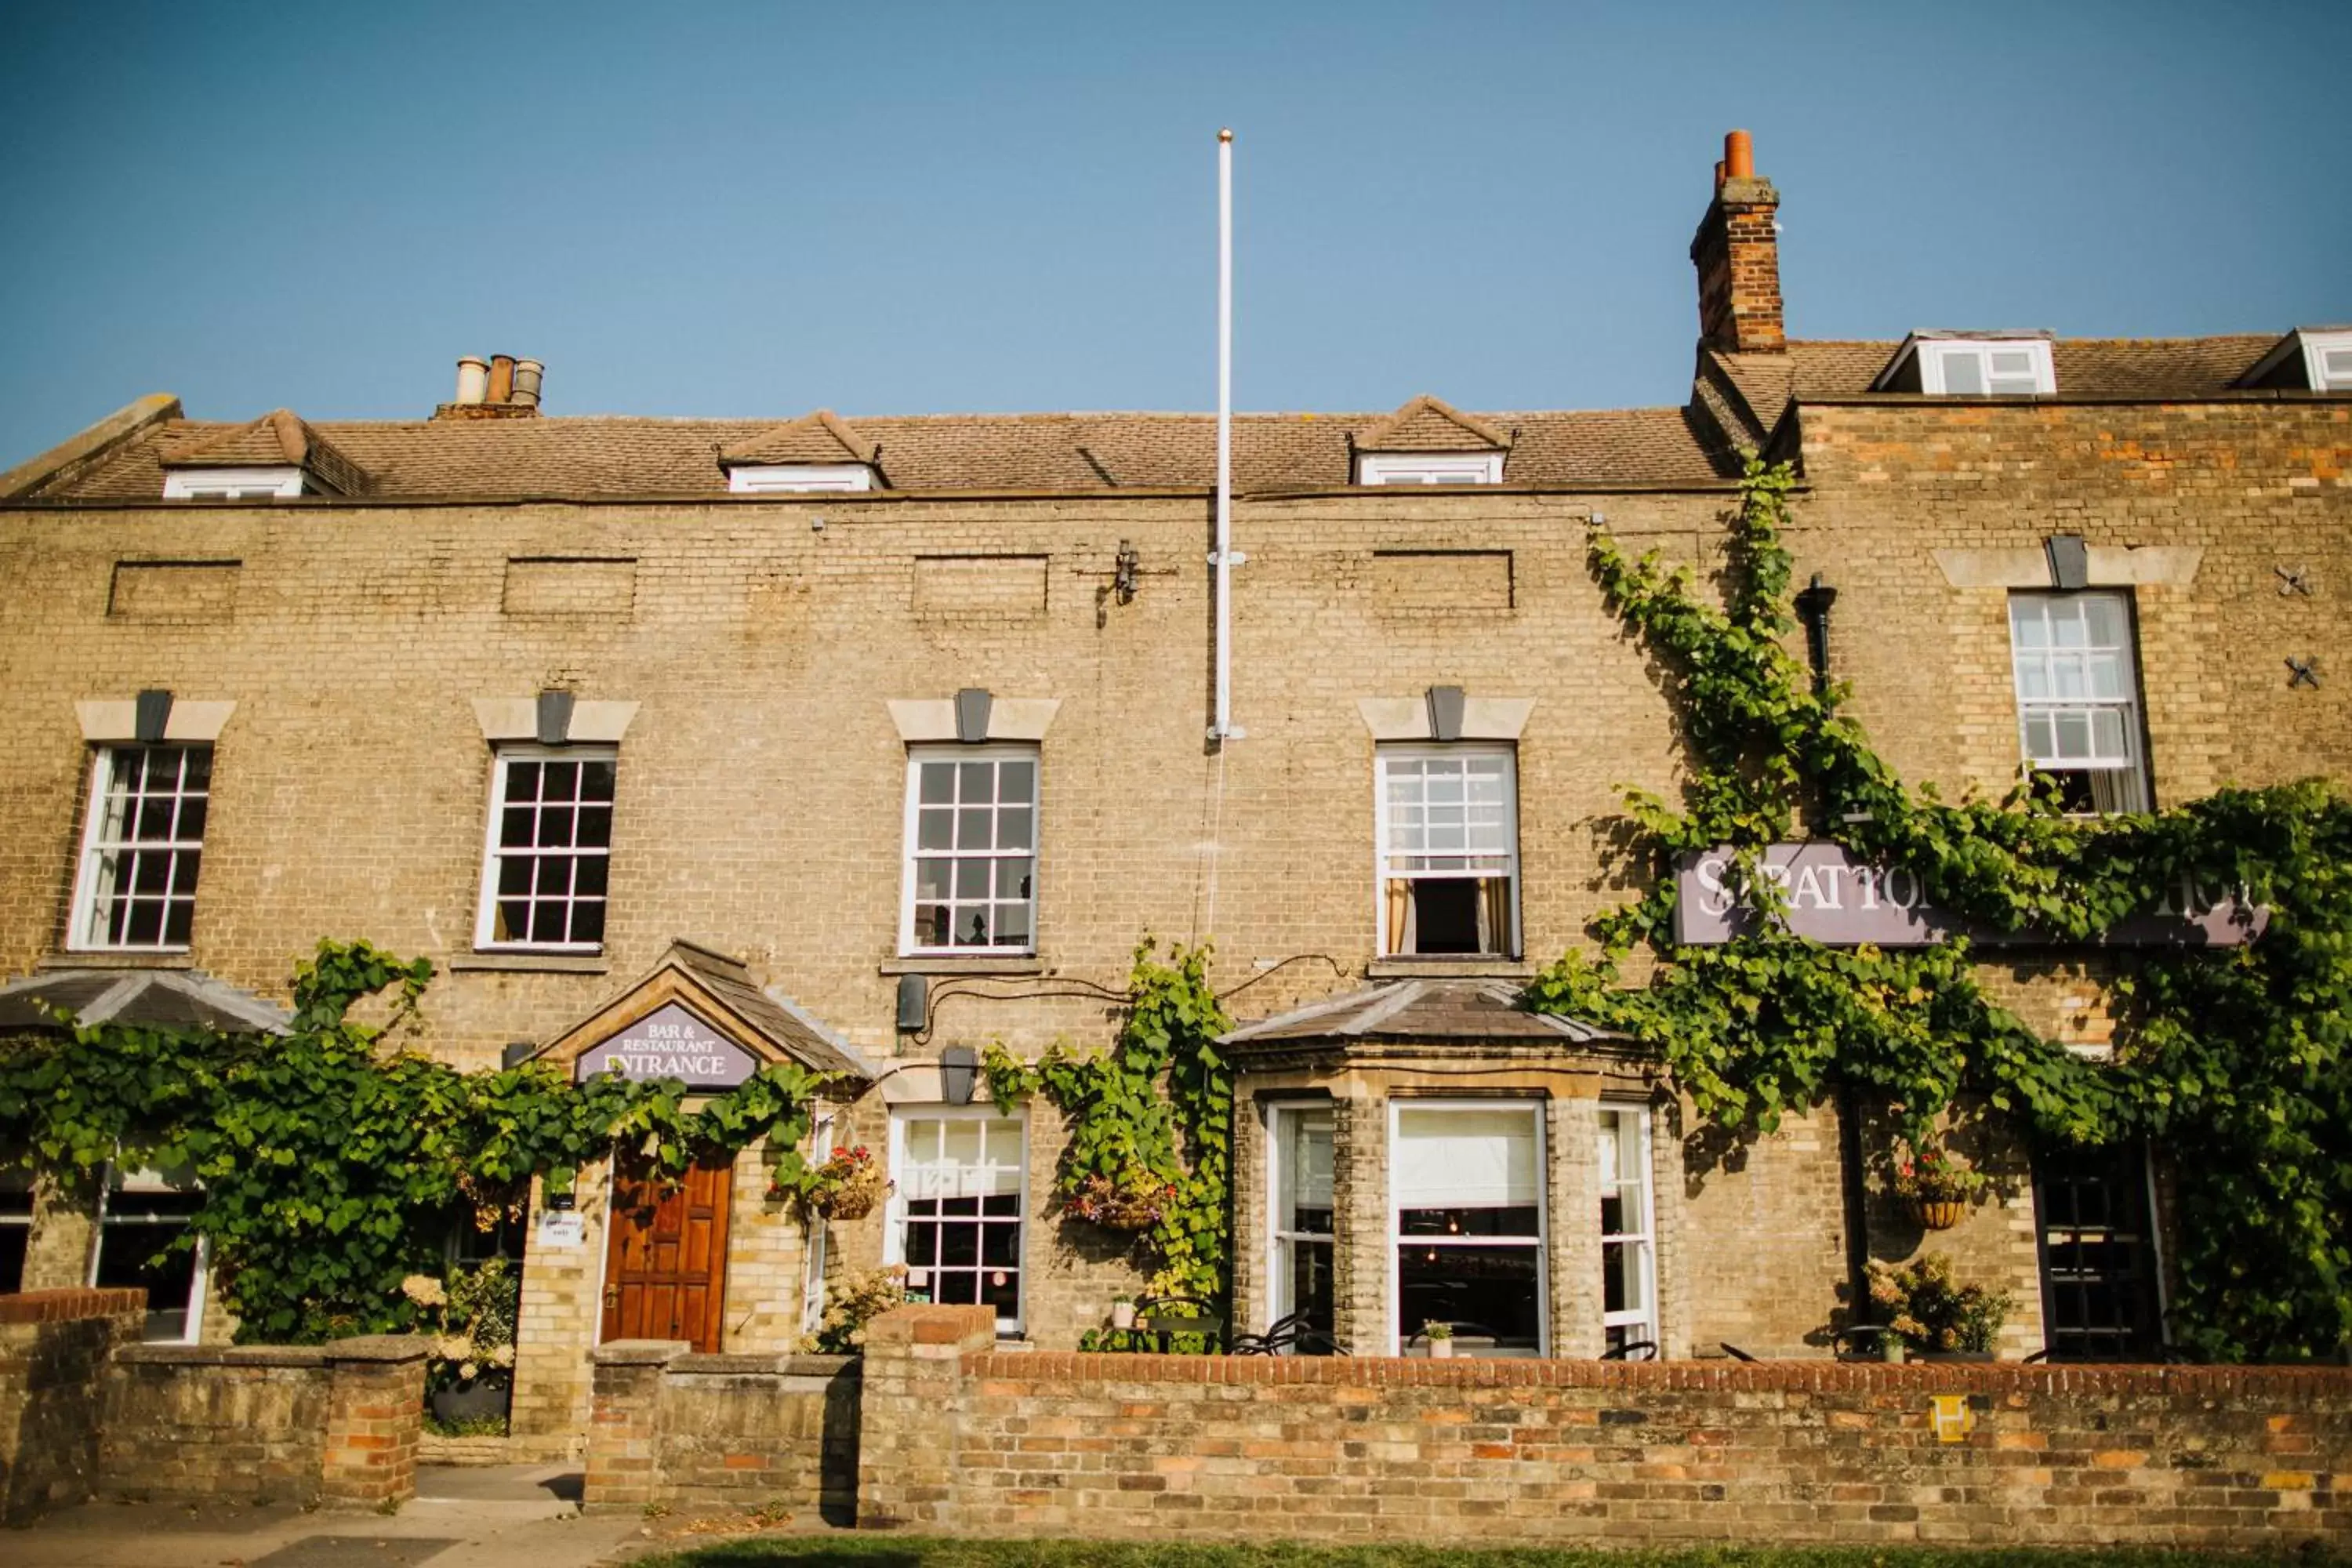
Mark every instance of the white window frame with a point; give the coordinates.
(1646, 1319)
(2135, 759)
(911, 852)
(232, 484)
(1387, 752)
(2317, 349)
(1934, 352)
(485, 915)
(1397, 1333)
(82, 935)
(789, 479)
(894, 1230)
(1428, 467)
(1278, 1296)
(200, 1279)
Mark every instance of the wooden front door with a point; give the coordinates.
(665, 1259)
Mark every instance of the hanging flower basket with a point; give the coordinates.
(1935, 1187)
(1134, 1204)
(847, 1186)
(1938, 1214)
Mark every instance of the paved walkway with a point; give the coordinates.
(503, 1516)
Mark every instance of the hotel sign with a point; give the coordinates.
(670, 1042)
(1835, 898)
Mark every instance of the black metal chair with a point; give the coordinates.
(1165, 1317)
(1632, 1349)
(1289, 1335)
(1732, 1350)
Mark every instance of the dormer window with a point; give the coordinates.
(1987, 369)
(232, 484)
(2308, 359)
(1429, 469)
(785, 479)
(1972, 367)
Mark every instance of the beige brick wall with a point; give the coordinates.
(761, 783)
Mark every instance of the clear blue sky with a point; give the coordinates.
(759, 210)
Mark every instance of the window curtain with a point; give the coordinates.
(1495, 914)
(1400, 927)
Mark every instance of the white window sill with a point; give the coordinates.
(964, 963)
(531, 963)
(1444, 966)
(119, 958)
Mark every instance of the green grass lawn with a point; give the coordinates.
(903, 1551)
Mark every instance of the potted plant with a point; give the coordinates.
(1935, 1186)
(1122, 1314)
(846, 1187)
(1928, 1313)
(1440, 1336)
(471, 1318)
(1134, 1201)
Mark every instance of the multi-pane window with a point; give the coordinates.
(548, 859)
(957, 1220)
(2078, 698)
(1987, 369)
(1429, 468)
(143, 846)
(1628, 1307)
(1465, 1180)
(1449, 849)
(142, 1244)
(972, 849)
(2098, 1254)
(1300, 1138)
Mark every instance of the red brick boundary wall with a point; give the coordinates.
(337, 1424)
(53, 1346)
(957, 1436)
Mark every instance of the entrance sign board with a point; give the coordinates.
(1836, 897)
(670, 1042)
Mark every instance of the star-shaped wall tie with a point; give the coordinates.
(2295, 581)
(2302, 672)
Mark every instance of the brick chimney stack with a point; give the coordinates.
(1738, 253)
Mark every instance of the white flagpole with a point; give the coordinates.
(1225, 558)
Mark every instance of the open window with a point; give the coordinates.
(143, 1243)
(2078, 698)
(1629, 1268)
(1449, 850)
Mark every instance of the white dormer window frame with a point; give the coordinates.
(232, 484)
(1987, 367)
(2327, 361)
(1428, 467)
(790, 479)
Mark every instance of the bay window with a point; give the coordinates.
(1448, 827)
(956, 1212)
(1466, 1193)
(1629, 1290)
(1300, 1138)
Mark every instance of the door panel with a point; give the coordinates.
(665, 1263)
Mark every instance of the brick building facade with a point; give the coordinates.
(796, 726)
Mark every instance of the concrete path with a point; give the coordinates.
(503, 1516)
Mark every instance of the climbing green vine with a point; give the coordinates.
(333, 1164)
(1150, 1118)
(2237, 1060)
